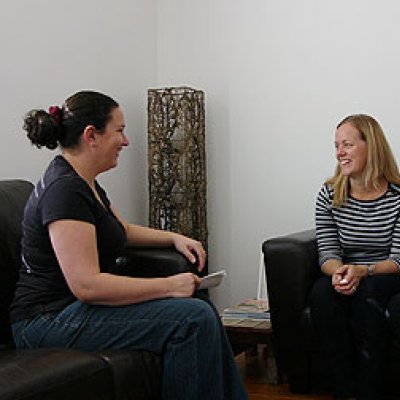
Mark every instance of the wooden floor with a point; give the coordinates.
(257, 381)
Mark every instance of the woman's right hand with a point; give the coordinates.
(182, 285)
(346, 278)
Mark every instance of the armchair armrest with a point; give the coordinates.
(291, 268)
(291, 264)
(152, 262)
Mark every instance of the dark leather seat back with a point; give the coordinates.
(13, 197)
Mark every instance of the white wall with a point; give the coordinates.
(278, 76)
(49, 50)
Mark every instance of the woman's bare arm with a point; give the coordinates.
(74, 243)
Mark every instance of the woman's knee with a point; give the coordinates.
(201, 309)
(325, 303)
(321, 291)
(202, 315)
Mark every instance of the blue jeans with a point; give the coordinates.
(197, 358)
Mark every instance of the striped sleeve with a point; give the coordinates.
(326, 228)
(395, 248)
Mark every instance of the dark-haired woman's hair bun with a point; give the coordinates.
(64, 126)
(42, 128)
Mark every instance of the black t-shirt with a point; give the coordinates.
(60, 194)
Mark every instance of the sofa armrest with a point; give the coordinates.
(152, 262)
(55, 374)
(137, 374)
(291, 268)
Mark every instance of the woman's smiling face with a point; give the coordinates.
(112, 140)
(351, 151)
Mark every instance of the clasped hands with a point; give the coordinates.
(346, 278)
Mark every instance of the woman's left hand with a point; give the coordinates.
(192, 249)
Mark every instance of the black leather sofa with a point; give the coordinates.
(70, 374)
(291, 264)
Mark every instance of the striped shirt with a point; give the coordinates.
(360, 231)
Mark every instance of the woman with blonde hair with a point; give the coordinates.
(380, 163)
(358, 237)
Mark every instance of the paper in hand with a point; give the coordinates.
(212, 280)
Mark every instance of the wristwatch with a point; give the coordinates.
(371, 269)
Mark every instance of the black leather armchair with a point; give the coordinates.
(71, 374)
(291, 264)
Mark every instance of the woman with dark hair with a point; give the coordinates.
(358, 237)
(67, 295)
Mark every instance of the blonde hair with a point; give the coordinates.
(380, 160)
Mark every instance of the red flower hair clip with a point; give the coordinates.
(55, 113)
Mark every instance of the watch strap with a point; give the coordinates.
(371, 269)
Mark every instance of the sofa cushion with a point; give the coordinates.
(50, 374)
